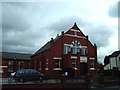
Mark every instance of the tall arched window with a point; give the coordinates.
(75, 47)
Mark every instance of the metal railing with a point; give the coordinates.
(48, 81)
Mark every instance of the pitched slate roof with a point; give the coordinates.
(11, 55)
(106, 60)
(44, 48)
(47, 45)
(114, 54)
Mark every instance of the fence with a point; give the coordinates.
(48, 81)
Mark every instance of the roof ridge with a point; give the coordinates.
(15, 53)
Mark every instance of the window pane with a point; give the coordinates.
(10, 66)
(84, 51)
(57, 63)
(67, 49)
(75, 48)
(47, 62)
(21, 65)
(92, 64)
(73, 63)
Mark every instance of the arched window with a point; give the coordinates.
(75, 47)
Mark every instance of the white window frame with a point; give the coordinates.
(75, 48)
(57, 68)
(84, 51)
(10, 65)
(21, 62)
(47, 63)
(74, 63)
(67, 49)
(92, 63)
(40, 64)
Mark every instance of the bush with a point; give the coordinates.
(97, 80)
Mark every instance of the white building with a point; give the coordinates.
(112, 60)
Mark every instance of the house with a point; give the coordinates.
(12, 62)
(69, 54)
(112, 61)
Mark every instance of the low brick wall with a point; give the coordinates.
(111, 83)
(45, 86)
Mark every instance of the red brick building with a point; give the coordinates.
(70, 53)
(12, 62)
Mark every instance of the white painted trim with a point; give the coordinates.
(76, 68)
(46, 69)
(68, 45)
(3, 66)
(83, 59)
(75, 36)
(84, 46)
(57, 69)
(74, 57)
(57, 58)
(75, 30)
(92, 68)
(92, 58)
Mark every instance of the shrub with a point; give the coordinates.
(96, 80)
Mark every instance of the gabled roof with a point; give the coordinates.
(114, 54)
(11, 55)
(75, 27)
(47, 45)
(107, 58)
(44, 48)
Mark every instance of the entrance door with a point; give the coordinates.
(83, 68)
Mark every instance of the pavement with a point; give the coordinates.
(113, 87)
(108, 87)
(12, 81)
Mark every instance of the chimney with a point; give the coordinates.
(95, 45)
(87, 36)
(62, 32)
(57, 35)
(51, 39)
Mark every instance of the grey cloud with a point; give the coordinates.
(12, 48)
(114, 10)
(98, 33)
(12, 19)
(21, 34)
(17, 41)
(65, 24)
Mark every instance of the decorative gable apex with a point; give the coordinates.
(75, 27)
(75, 32)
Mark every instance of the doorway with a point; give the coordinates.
(83, 68)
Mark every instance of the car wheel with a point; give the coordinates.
(41, 79)
(21, 80)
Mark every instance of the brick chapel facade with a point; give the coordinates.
(69, 54)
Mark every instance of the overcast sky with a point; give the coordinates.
(27, 26)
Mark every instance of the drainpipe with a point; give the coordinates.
(116, 62)
(110, 63)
